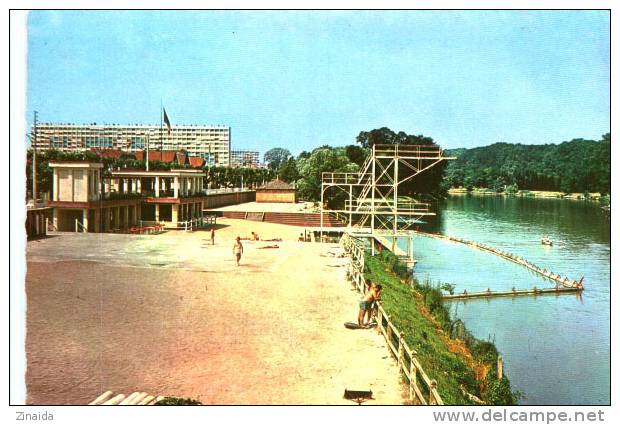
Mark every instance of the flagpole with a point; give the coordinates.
(148, 142)
(161, 125)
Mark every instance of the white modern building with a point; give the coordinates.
(241, 158)
(206, 141)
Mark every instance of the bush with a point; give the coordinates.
(176, 401)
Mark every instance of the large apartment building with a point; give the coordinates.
(239, 158)
(209, 142)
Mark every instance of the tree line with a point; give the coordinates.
(575, 166)
(306, 169)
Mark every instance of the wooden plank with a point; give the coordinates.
(129, 399)
(155, 400)
(419, 395)
(114, 400)
(146, 400)
(138, 398)
(102, 398)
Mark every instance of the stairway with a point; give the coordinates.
(292, 219)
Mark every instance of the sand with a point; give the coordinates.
(169, 314)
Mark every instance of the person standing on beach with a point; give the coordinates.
(212, 236)
(238, 249)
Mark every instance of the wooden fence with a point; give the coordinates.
(421, 387)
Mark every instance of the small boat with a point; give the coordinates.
(546, 241)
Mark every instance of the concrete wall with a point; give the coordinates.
(65, 185)
(80, 185)
(223, 199)
(286, 196)
(73, 185)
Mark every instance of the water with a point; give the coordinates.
(556, 348)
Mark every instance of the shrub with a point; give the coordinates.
(177, 401)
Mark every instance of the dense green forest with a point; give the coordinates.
(576, 166)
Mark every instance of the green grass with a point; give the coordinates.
(404, 304)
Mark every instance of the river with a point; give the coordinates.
(556, 348)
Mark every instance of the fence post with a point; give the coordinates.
(388, 329)
(413, 375)
(431, 397)
(500, 367)
(379, 320)
(401, 351)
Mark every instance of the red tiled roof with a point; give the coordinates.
(164, 156)
(110, 153)
(196, 161)
(277, 184)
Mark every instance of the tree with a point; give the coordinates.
(276, 157)
(576, 166)
(356, 154)
(429, 182)
(288, 171)
(324, 159)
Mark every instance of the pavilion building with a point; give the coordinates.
(84, 200)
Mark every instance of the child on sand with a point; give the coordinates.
(212, 236)
(238, 249)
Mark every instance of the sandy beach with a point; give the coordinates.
(170, 314)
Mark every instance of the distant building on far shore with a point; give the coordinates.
(212, 143)
(241, 158)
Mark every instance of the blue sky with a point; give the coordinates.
(302, 79)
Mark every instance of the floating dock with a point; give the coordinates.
(512, 293)
(571, 285)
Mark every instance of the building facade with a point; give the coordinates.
(245, 159)
(277, 191)
(85, 201)
(212, 143)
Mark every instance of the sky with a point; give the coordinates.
(301, 79)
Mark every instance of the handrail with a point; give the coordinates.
(79, 226)
(414, 371)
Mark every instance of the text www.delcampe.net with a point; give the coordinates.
(505, 415)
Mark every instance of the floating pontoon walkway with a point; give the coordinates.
(556, 277)
(513, 293)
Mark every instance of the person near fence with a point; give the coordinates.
(372, 311)
(238, 249)
(370, 297)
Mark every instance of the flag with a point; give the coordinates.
(167, 121)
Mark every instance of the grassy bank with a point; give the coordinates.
(448, 353)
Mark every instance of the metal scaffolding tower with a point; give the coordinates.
(369, 201)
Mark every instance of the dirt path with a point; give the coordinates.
(267, 332)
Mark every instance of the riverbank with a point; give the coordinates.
(531, 193)
(462, 365)
(171, 314)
